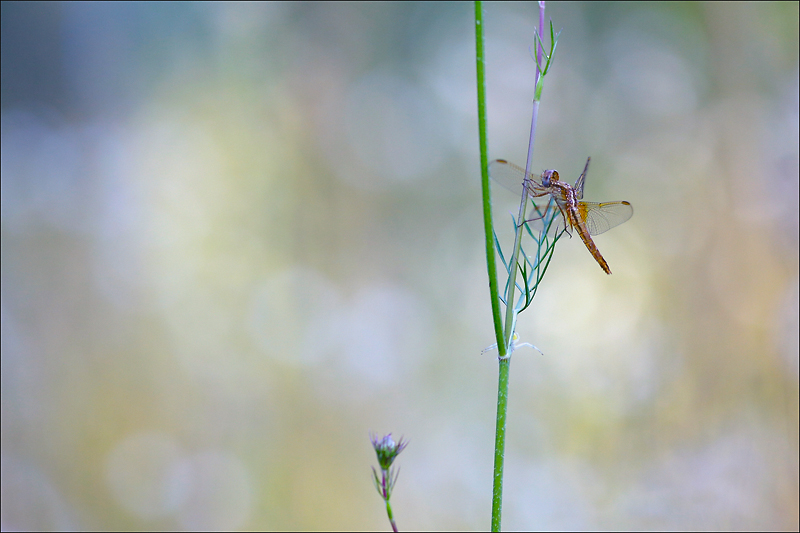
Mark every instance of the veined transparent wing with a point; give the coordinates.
(509, 175)
(543, 211)
(601, 217)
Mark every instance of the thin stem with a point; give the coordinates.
(511, 312)
(512, 283)
(502, 343)
(535, 113)
(491, 266)
(391, 517)
(500, 442)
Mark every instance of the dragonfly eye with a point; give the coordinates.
(549, 176)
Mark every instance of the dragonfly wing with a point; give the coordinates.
(581, 179)
(511, 176)
(601, 217)
(543, 215)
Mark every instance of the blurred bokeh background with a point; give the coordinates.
(236, 238)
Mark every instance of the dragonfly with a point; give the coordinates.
(585, 218)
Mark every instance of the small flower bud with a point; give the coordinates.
(387, 450)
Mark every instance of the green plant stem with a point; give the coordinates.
(500, 442)
(511, 312)
(505, 332)
(391, 517)
(486, 190)
(502, 340)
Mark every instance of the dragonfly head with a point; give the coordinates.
(549, 176)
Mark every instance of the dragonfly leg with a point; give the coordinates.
(567, 227)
